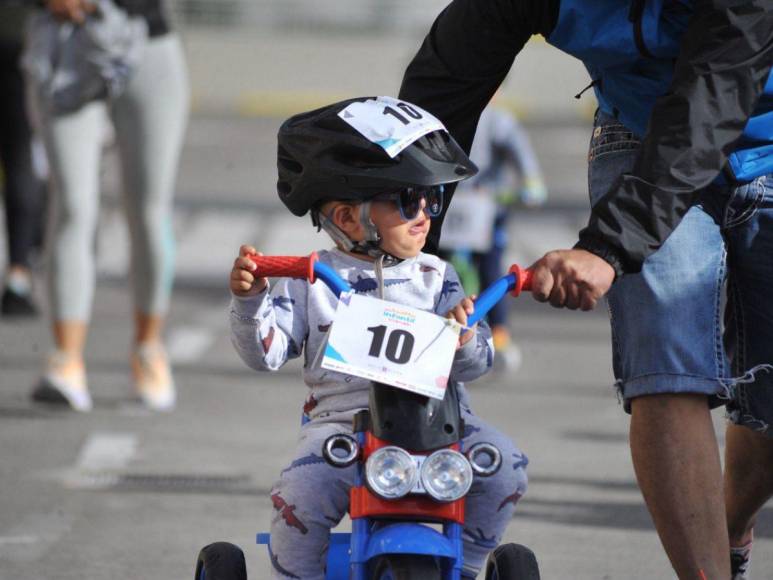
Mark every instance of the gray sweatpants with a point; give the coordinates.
(149, 120)
(311, 497)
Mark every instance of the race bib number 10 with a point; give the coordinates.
(390, 123)
(393, 344)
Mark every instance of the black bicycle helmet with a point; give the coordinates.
(321, 157)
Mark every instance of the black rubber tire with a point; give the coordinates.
(406, 567)
(512, 562)
(221, 561)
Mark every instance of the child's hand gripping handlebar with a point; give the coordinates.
(309, 267)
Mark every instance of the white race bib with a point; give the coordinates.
(390, 343)
(389, 123)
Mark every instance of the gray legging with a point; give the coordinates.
(149, 120)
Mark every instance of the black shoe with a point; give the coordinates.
(14, 304)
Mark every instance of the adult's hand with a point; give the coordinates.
(571, 278)
(75, 10)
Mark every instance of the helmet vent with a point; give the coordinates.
(360, 158)
(290, 165)
(287, 161)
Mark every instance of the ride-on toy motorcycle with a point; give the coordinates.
(407, 503)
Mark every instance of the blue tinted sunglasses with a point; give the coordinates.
(408, 200)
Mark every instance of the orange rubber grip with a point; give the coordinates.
(285, 266)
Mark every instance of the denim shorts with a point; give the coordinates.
(698, 318)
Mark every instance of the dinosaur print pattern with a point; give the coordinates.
(512, 498)
(287, 511)
(268, 340)
(449, 287)
(283, 302)
(469, 430)
(310, 404)
(479, 538)
(310, 459)
(362, 285)
(521, 461)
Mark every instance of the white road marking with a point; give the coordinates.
(209, 242)
(32, 538)
(187, 344)
(17, 540)
(100, 457)
(107, 451)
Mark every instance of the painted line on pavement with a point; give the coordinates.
(17, 540)
(103, 454)
(107, 451)
(186, 344)
(33, 537)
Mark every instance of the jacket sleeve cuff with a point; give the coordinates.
(603, 250)
(248, 307)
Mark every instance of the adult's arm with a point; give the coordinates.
(463, 60)
(725, 59)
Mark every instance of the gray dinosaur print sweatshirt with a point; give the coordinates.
(293, 318)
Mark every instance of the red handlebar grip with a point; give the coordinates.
(285, 266)
(522, 279)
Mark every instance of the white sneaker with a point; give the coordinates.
(740, 561)
(64, 383)
(508, 359)
(153, 378)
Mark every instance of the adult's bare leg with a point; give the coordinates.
(748, 480)
(676, 459)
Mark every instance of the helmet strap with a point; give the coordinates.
(370, 246)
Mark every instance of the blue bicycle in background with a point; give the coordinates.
(407, 503)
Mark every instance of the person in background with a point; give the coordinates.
(149, 118)
(23, 188)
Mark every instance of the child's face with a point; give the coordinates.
(401, 238)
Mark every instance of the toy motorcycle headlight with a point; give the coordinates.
(446, 475)
(391, 473)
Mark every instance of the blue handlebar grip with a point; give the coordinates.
(330, 277)
(490, 296)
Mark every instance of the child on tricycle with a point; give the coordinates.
(375, 197)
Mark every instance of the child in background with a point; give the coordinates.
(377, 208)
(502, 151)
